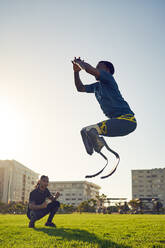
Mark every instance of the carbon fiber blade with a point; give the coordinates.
(94, 175)
(118, 160)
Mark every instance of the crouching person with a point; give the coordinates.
(38, 206)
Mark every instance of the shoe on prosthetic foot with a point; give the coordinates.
(87, 141)
(97, 141)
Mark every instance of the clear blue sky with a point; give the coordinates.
(41, 112)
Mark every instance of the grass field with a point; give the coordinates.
(84, 230)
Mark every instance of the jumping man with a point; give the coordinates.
(121, 120)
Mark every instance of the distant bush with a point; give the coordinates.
(66, 208)
(87, 206)
(13, 208)
(112, 209)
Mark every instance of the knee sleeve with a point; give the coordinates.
(92, 126)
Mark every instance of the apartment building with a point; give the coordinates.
(74, 192)
(149, 184)
(16, 181)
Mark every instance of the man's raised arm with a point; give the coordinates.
(87, 67)
(79, 85)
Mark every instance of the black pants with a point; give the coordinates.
(51, 209)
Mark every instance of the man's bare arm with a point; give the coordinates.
(87, 67)
(54, 198)
(79, 85)
(33, 206)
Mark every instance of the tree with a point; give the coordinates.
(119, 206)
(135, 204)
(112, 209)
(3, 208)
(122, 208)
(17, 208)
(13, 207)
(87, 206)
(83, 206)
(157, 206)
(66, 208)
(101, 199)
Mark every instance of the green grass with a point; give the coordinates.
(84, 230)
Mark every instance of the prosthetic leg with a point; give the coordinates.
(93, 142)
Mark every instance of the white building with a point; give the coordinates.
(149, 184)
(16, 181)
(74, 192)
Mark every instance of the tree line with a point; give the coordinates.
(91, 206)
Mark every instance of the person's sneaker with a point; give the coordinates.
(87, 141)
(97, 141)
(50, 224)
(31, 224)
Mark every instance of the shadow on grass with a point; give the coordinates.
(80, 235)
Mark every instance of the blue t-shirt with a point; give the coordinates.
(108, 95)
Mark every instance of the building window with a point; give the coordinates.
(68, 186)
(76, 185)
(59, 189)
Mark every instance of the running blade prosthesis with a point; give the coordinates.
(93, 142)
(113, 169)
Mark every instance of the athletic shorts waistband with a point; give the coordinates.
(128, 117)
